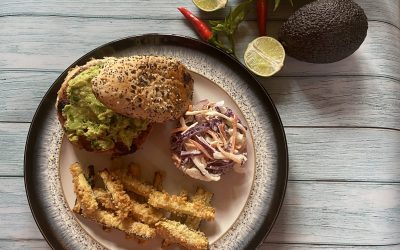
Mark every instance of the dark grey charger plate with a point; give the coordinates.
(41, 173)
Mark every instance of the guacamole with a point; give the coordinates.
(87, 117)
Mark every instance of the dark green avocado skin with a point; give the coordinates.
(324, 31)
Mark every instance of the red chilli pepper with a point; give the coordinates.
(202, 29)
(262, 10)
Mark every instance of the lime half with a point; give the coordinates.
(210, 5)
(264, 56)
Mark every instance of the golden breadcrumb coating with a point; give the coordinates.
(125, 204)
(104, 198)
(175, 232)
(82, 189)
(127, 225)
(176, 204)
(204, 197)
(123, 212)
(132, 184)
(171, 203)
(119, 197)
(86, 202)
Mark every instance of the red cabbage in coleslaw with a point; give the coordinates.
(210, 141)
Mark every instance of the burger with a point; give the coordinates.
(109, 105)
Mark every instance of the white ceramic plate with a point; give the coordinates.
(246, 204)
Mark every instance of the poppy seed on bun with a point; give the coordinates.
(154, 88)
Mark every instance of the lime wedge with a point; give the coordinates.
(210, 5)
(264, 56)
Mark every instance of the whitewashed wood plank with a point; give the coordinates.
(24, 244)
(346, 213)
(271, 246)
(336, 101)
(53, 43)
(42, 244)
(12, 145)
(15, 215)
(339, 213)
(345, 154)
(21, 93)
(384, 10)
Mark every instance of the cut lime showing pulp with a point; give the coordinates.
(264, 56)
(210, 5)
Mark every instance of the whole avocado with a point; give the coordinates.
(324, 31)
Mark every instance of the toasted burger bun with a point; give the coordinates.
(154, 88)
(62, 100)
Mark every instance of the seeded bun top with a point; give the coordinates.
(154, 88)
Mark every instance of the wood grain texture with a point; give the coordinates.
(24, 244)
(53, 43)
(339, 213)
(344, 154)
(21, 93)
(269, 246)
(336, 101)
(42, 244)
(16, 219)
(383, 10)
(346, 213)
(301, 101)
(12, 145)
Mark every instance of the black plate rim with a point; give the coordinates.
(260, 236)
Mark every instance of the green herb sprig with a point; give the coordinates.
(226, 29)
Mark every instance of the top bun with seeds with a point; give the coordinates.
(154, 88)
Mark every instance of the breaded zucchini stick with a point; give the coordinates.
(125, 204)
(82, 189)
(176, 204)
(120, 199)
(86, 201)
(104, 198)
(127, 225)
(132, 184)
(175, 232)
(204, 197)
(171, 203)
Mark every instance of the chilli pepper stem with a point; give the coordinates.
(202, 29)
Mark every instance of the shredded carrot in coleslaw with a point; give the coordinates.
(211, 136)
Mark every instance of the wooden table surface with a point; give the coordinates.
(342, 120)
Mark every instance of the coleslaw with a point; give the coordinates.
(210, 141)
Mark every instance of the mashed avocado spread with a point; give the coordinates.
(87, 117)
